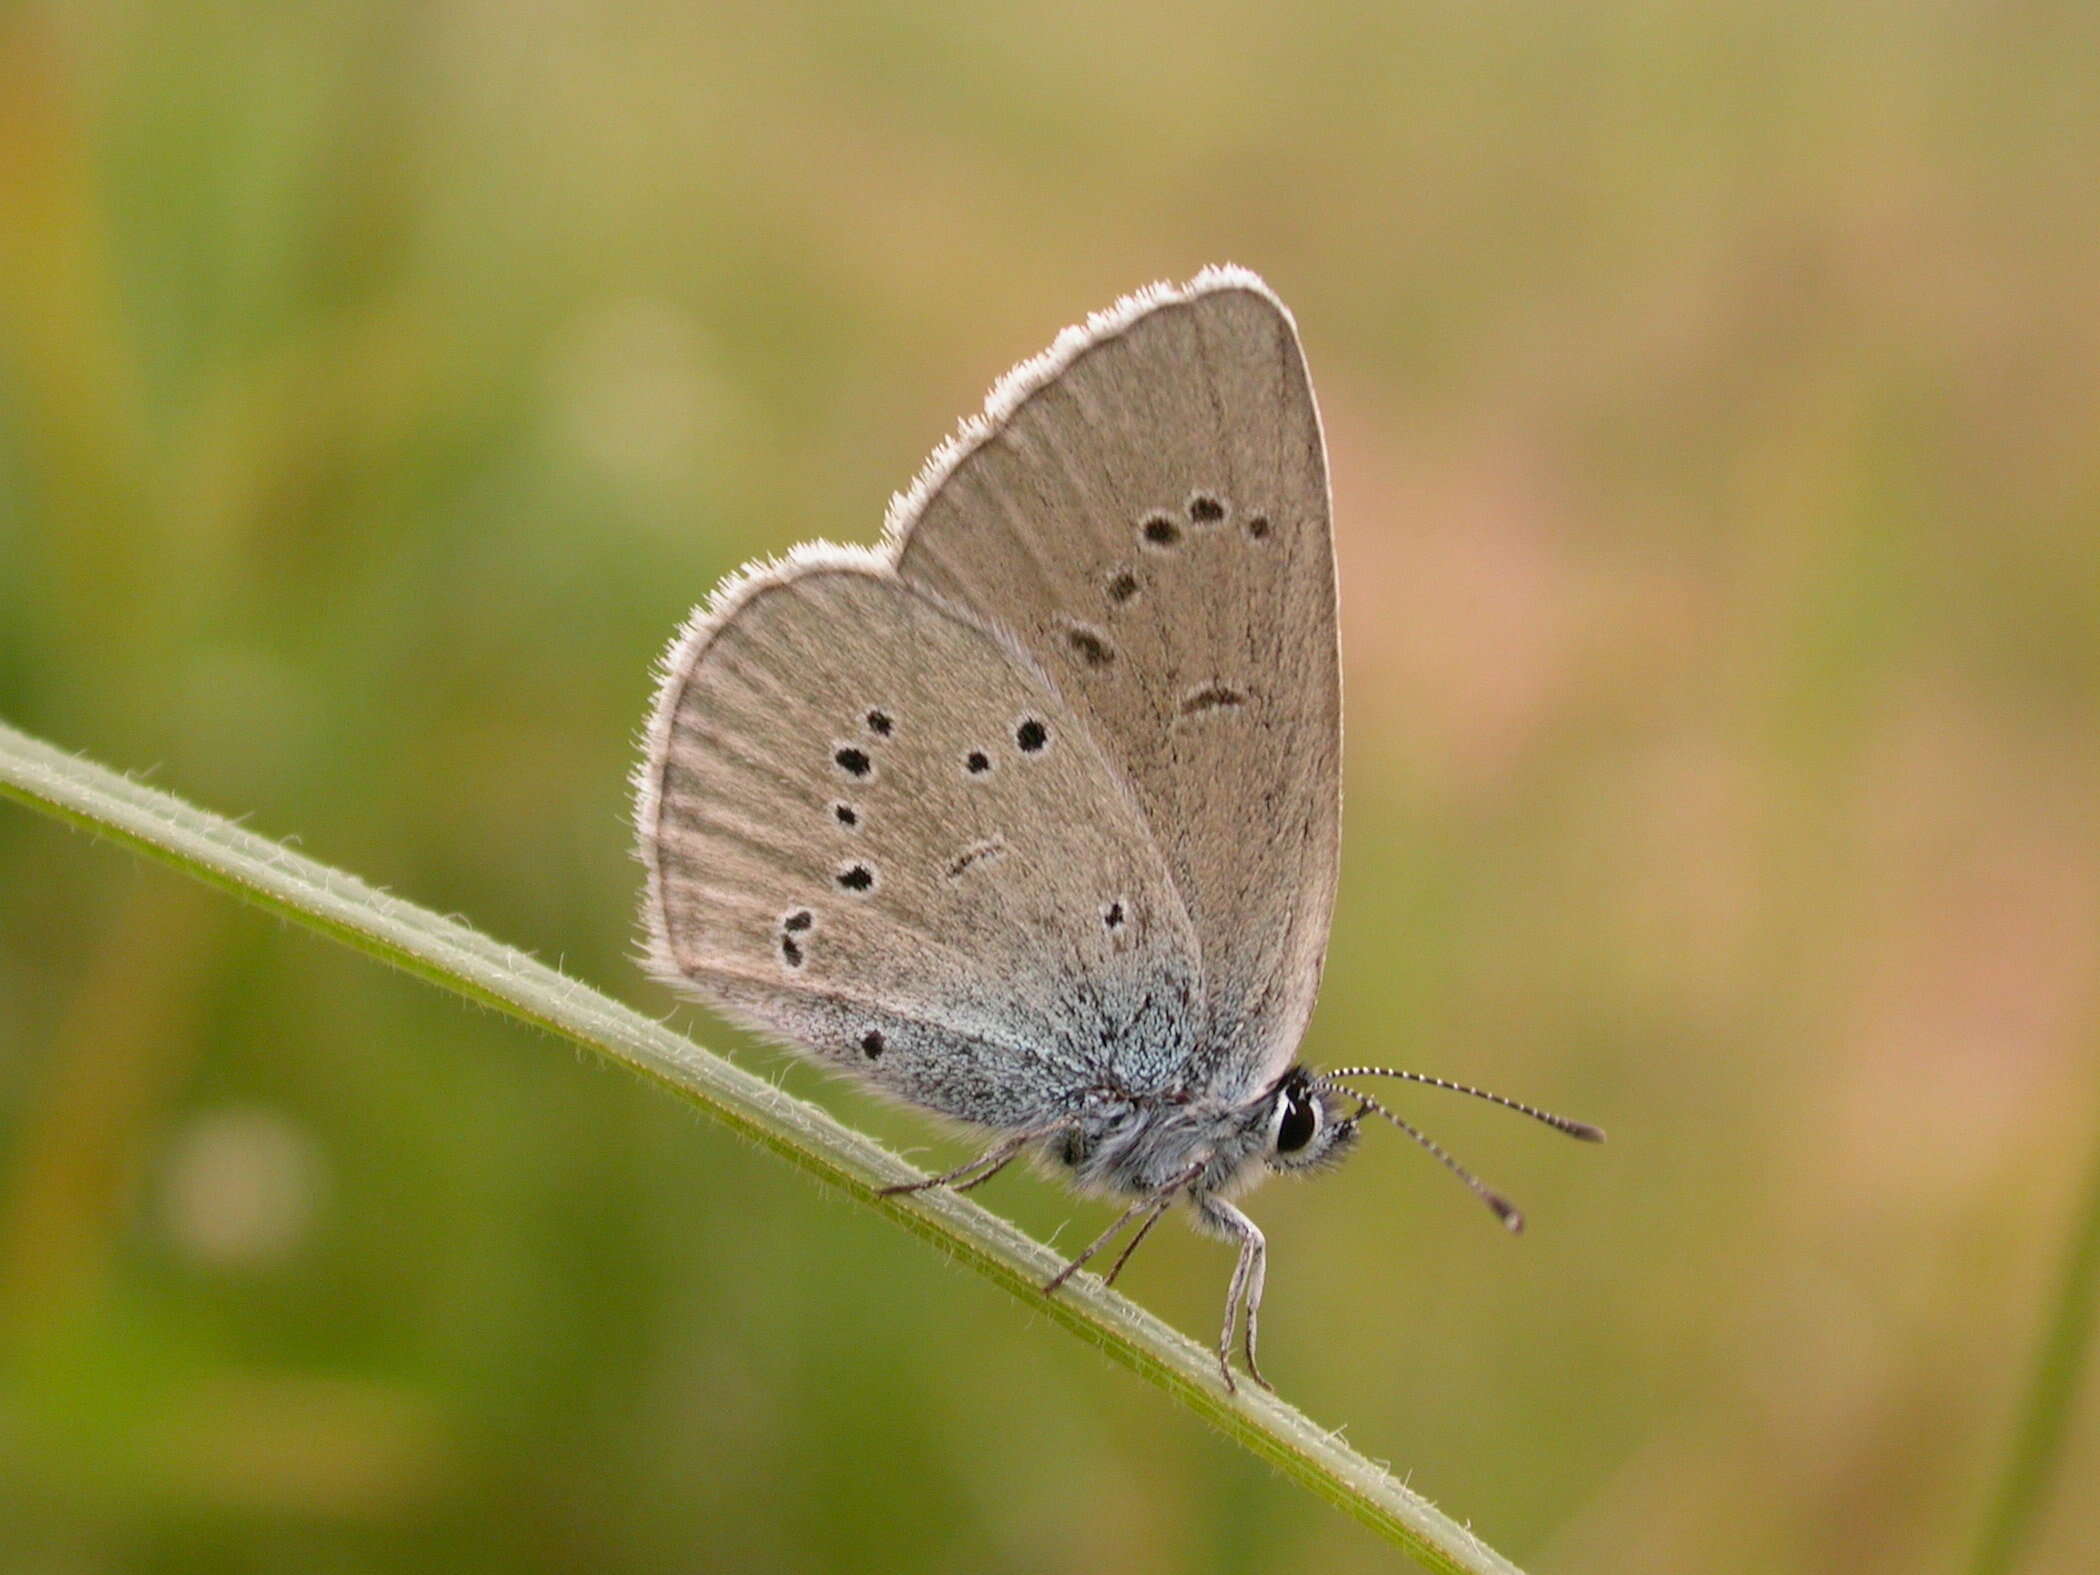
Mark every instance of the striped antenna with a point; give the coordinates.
(1574, 1129)
(1505, 1211)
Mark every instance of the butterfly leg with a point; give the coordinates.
(1158, 1213)
(979, 1170)
(1248, 1277)
(1155, 1202)
(1255, 1282)
(1095, 1246)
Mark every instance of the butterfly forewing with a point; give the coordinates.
(1145, 511)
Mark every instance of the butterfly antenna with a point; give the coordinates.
(1574, 1129)
(1505, 1211)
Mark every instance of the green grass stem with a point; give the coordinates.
(467, 963)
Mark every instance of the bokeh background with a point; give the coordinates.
(1714, 403)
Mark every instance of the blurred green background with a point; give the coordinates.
(1714, 403)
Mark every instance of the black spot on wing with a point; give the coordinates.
(1159, 531)
(1089, 646)
(1213, 697)
(977, 853)
(794, 924)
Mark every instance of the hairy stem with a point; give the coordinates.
(470, 964)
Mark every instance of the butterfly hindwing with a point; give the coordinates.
(873, 829)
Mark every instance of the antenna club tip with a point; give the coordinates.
(1511, 1216)
(1584, 1131)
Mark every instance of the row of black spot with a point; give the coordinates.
(857, 763)
(1158, 532)
(1162, 530)
(1031, 736)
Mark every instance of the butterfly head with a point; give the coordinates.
(1306, 1128)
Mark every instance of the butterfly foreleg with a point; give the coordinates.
(1154, 1202)
(981, 1169)
(1158, 1213)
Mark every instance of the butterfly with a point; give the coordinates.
(1030, 816)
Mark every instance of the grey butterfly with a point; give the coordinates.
(1031, 815)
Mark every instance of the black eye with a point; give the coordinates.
(1301, 1119)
